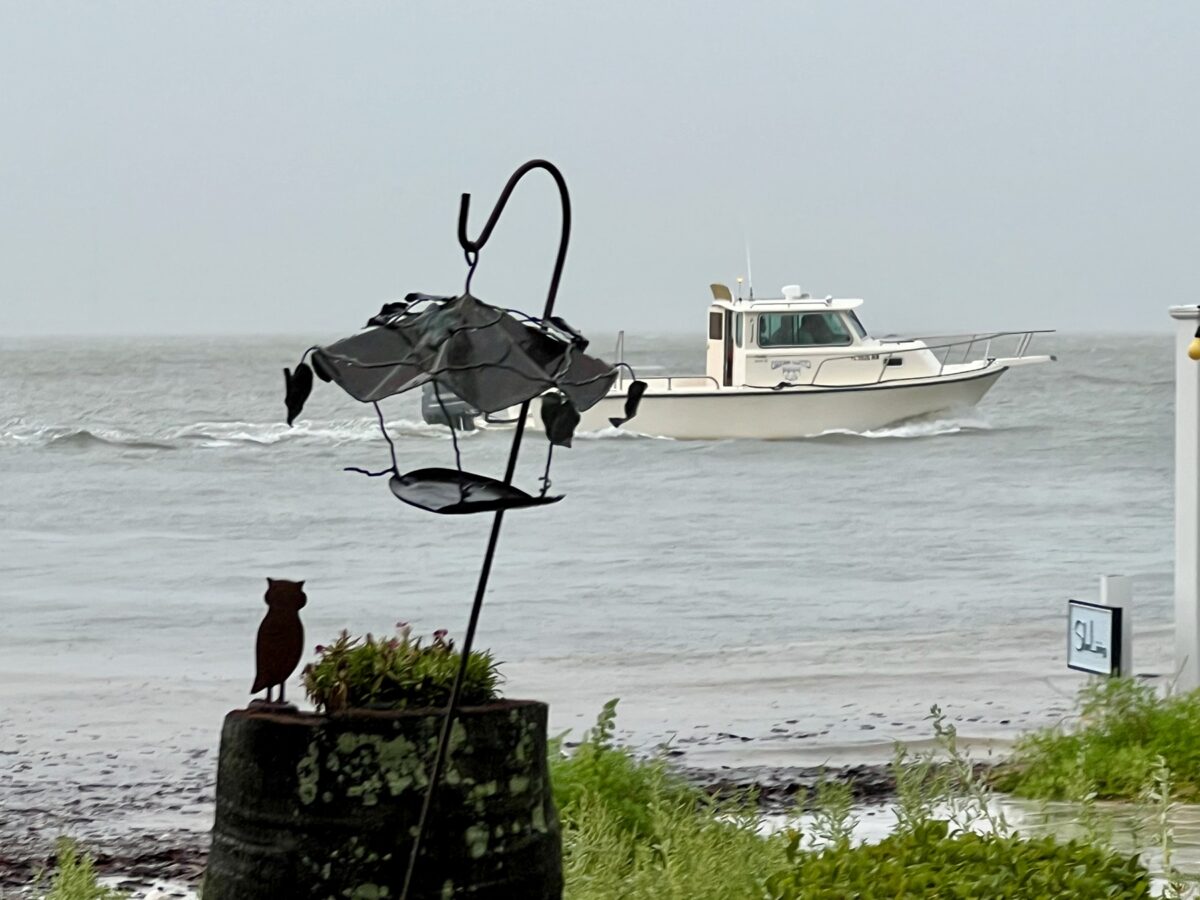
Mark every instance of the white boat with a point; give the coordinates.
(799, 366)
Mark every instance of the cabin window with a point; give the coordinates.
(714, 326)
(858, 326)
(737, 330)
(815, 329)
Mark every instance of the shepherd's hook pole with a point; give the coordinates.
(471, 248)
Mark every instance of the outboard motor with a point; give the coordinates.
(452, 411)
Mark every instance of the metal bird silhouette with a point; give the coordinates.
(280, 636)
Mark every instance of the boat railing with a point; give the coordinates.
(949, 347)
(671, 379)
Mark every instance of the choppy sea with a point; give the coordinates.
(823, 592)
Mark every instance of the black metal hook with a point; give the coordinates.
(472, 247)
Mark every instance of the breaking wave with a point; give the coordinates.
(618, 434)
(914, 429)
(81, 438)
(216, 435)
(213, 434)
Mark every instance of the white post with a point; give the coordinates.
(1117, 590)
(1187, 500)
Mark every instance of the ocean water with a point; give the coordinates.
(150, 486)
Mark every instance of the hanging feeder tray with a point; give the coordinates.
(491, 358)
(454, 493)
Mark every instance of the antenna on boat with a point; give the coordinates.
(749, 270)
(739, 284)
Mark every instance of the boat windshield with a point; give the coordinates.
(815, 329)
(858, 325)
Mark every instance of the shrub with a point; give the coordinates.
(949, 841)
(635, 830)
(684, 853)
(1124, 730)
(74, 877)
(930, 860)
(603, 778)
(632, 829)
(396, 673)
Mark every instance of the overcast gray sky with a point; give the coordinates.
(251, 167)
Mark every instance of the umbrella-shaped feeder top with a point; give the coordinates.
(491, 357)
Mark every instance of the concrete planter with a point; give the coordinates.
(325, 807)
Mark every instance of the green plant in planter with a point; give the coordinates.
(399, 672)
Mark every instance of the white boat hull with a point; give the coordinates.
(790, 413)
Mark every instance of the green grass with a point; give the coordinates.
(633, 830)
(1125, 730)
(74, 877)
(931, 860)
(610, 782)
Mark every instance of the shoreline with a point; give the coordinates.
(144, 860)
(120, 761)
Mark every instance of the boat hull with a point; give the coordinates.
(790, 413)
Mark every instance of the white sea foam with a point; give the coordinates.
(916, 429)
(618, 434)
(213, 435)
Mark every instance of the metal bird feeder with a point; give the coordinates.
(490, 358)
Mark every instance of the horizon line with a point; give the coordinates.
(667, 332)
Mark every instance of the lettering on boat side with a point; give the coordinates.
(791, 367)
(1093, 638)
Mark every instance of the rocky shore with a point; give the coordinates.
(780, 790)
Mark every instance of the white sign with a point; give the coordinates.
(1093, 638)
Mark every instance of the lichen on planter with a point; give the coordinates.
(313, 806)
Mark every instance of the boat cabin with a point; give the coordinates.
(762, 343)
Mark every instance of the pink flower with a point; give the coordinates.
(440, 635)
(320, 648)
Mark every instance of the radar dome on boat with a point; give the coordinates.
(793, 292)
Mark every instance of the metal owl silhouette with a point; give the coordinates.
(280, 641)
